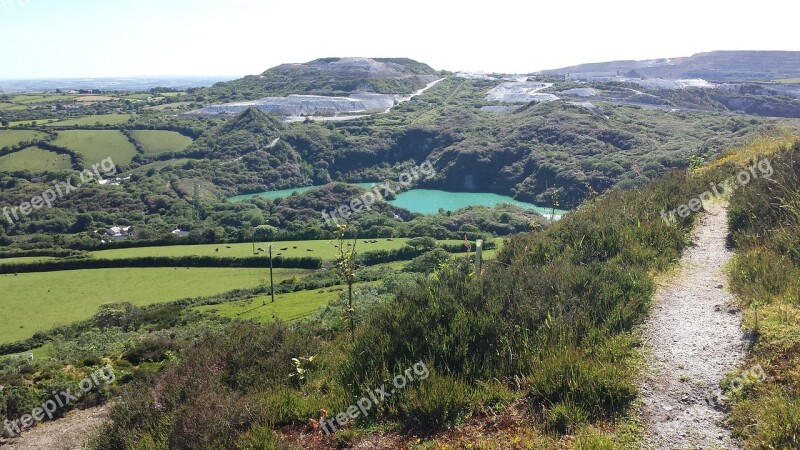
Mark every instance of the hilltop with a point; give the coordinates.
(714, 66)
(327, 76)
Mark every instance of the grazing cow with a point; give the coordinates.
(260, 249)
(284, 249)
(295, 247)
(227, 246)
(309, 250)
(216, 250)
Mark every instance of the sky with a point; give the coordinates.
(128, 38)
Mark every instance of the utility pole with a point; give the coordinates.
(271, 282)
(478, 255)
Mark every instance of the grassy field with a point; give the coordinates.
(105, 119)
(94, 98)
(34, 159)
(9, 138)
(26, 123)
(158, 165)
(287, 307)
(25, 259)
(26, 99)
(320, 249)
(176, 105)
(34, 302)
(97, 145)
(156, 142)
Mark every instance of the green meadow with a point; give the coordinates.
(97, 145)
(24, 259)
(319, 249)
(26, 123)
(158, 165)
(104, 119)
(34, 302)
(287, 307)
(156, 142)
(26, 99)
(34, 159)
(10, 138)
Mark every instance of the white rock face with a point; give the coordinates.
(495, 109)
(661, 84)
(581, 92)
(307, 105)
(520, 92)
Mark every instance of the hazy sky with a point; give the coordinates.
(85, 38)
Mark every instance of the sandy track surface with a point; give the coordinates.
(693, 338)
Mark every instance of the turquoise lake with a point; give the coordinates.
(426, 201)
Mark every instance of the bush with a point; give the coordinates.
(601, 389)
(428, 262)
(771, 422)
(260, 438)
(435, 403)
(565, 417)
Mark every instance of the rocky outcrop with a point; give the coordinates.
(520, 92)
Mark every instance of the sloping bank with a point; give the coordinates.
(764, 393)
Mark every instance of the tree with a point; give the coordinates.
(422, 243)
(346, 264)
(264, 233)
(428, 262)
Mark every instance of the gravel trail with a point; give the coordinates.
(693, 338)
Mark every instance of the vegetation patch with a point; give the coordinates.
(157, 142)
(12, 138)
(97, 145)
(34, 302)
(35, 159)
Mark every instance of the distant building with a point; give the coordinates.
(113, 181)
(119, 233)
(590, 76)
(180, 233)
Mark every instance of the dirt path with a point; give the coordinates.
(69, 433)
(693, 339)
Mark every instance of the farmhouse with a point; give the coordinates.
(119, 233)
(179, 233)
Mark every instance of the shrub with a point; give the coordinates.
(435, 403)
(260, 438)
(601, 389)
(771, 422)
(565, 417)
